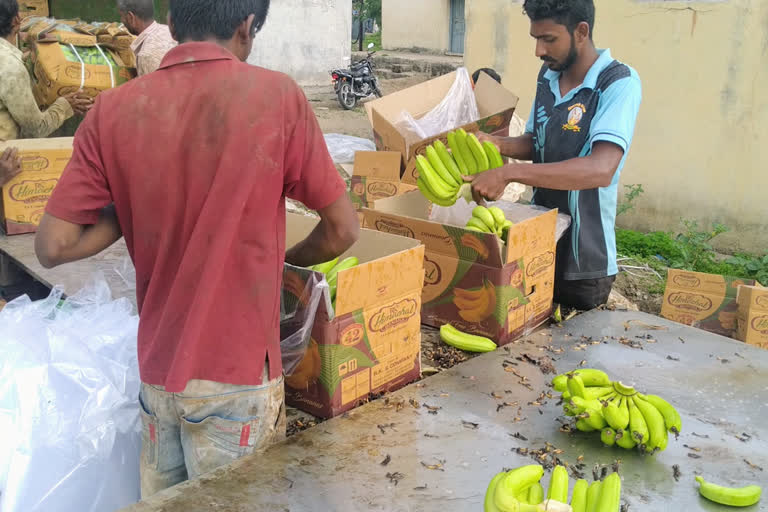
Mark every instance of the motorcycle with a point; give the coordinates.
(358, 82)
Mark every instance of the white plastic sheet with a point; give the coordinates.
(458, 108)
(69, 416)
(298, 308)
(343, 147)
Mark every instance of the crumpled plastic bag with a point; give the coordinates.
(343, 147)
(301, 295)
(69, 415)
(458, 108)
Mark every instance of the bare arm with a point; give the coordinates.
(337, 231)
(58, 241)
(583, 173)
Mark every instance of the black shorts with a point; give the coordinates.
(584, 294)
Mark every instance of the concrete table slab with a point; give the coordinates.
(444, 438)
(73, 276)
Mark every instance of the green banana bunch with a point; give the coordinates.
(331, 271)
(621, 415)
(520, 490)
(489, 220)
(441, 172)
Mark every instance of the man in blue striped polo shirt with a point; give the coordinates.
(578, 136)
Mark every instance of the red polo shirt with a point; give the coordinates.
(198, 159)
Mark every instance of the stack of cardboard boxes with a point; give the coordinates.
(729, 306)
(70, 55)
(371, 342)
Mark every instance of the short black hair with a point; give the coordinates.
(197, 20)
(488, 71)
(564, 12)
(144, 9)
(9, 9)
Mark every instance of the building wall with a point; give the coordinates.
(305, 39)
(416, 23)
(701, 144)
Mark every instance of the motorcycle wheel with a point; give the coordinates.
(347, 98)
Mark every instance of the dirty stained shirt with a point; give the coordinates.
(151, 46)
(20, 117)
(215, 147)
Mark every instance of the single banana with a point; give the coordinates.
(560, 383)
(582, 404)
(453, 143)
(615, 416)
(448, 161)
(664, 441)
(608, 436)
(583, 426)
(474, 222)
(498, 216)
(435, 184)
(594, 418)
(466, 153)
(593, 378)
(610, 494)
(657, 431)
(672, 419)
(558, 485)
(489, 505)
(326, 267)
(624, 439)
(442, 171)
(513, 482)
(494, 156)
(637, 425)
(536, 494)
(734, 497)
(576, 385)
(579, 496)
(597, 392)
(431, 197)
(482, 213)
(478, 152)
(622, 389)
(593, 496)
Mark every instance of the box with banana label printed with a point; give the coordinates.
(705, 301)
(752, 316)
(480, 283)
(376, 175)
(495, 104)
(369, 341)
(23, 199)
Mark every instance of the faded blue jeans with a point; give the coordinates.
(208, 425)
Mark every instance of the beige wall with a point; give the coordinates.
(701, 145)
(416, 23)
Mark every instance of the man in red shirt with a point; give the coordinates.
(192, 165)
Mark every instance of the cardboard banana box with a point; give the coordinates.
(23, 199)
(752, 316)
(477, 282)
(706, 301)
(371, 343)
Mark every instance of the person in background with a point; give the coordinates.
(154, 39)
(578, 135)
(488, 71)
(20, 117)
(10, 165)
(199, 194)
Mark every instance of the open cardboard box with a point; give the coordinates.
(478, 282)
(376, 175)
(372, 342)
(752, 317)
(23, 199)
(705, 301)
(495, 104)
